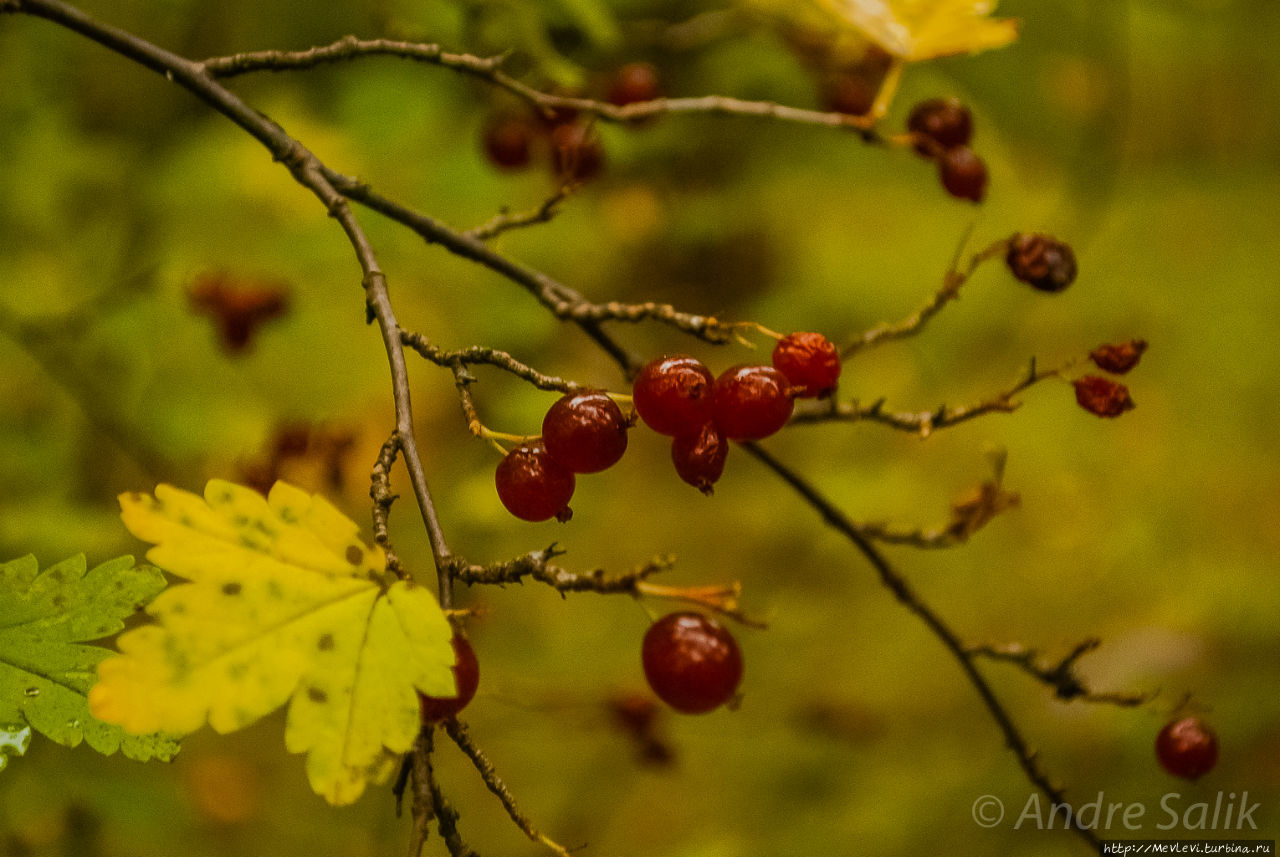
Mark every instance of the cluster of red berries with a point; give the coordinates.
(941, 129)
(583, 432)
(1187, 748)
(512, 141)
(677, 396)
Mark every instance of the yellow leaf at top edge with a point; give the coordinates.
(915, 30)
(285, 605)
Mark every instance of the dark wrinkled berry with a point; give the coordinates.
(943, 123)
(963, 173)
(1102, 396)
(1119, 358)
(1041, 261)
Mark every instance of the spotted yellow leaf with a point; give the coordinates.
(914, 30)
(284, 604)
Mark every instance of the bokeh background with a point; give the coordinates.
(1143, 132)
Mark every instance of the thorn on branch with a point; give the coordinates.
(1061, 676)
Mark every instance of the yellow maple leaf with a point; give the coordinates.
(915, 30)
(284, 604)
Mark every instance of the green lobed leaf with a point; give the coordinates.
(46, 670)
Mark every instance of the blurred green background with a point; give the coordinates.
(1143, 132)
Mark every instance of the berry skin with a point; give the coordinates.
(1187, 748)
(943, 123)
(692, 662)
(1120, 358)
(1042, 262)
(576, 152)
(752, 402)
(534, 486)
(699, 458)
(635, 82)
(673, 395)
(811, 363)
(1102, 396)
(585, 432)
(466, 674)
(508, 141)
(963, 173)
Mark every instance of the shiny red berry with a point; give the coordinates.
(577, 154)
(699, 458)
(1041, 261)
(466, 675)
(673, 395)
(1187, 748)
(692, 662)
(940, 124)
(585, 432)
(634, 82)
(752, 402)
(963, 173)
(534, 486)
(1102, 396)
(810, 361)
(508, 141)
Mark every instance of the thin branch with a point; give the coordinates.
(905, 595)
(490, 70)
(924, 423)
(954, 278)
(382, 496)
(505, 221)
(1061, 676)
(458, 732)
(479, 356)
(537, 565)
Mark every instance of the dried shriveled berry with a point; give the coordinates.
(692, 662)
(585, 432)
(1119, 358)
(943, 123)
(466, 675)
(533, 485)
(810, 361)
(673, 395)
(1187, 748)
(699, 458)
(1102, 396)
(963, 173)
(1041, 261)
(237, 307)
(752, 402)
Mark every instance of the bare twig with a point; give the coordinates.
(1060, 676)
(458, 732)
(950, 290)
(505, 221)
(924, 423)
(537, 565)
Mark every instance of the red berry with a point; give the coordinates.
(585, 432)
(963, 173)
(692, 662)
(576, 152)
(811, 363)
(699, 458)
(943, 123)
(1118, 358)
(534, 486)
(1102, 396)
(673, 395)
(466, 675)
(1187, 748)
(1041, 261)
(634, 82)
(508, 141)
(752, 402)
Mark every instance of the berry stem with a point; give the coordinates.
(888, 89)
(722, 599)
